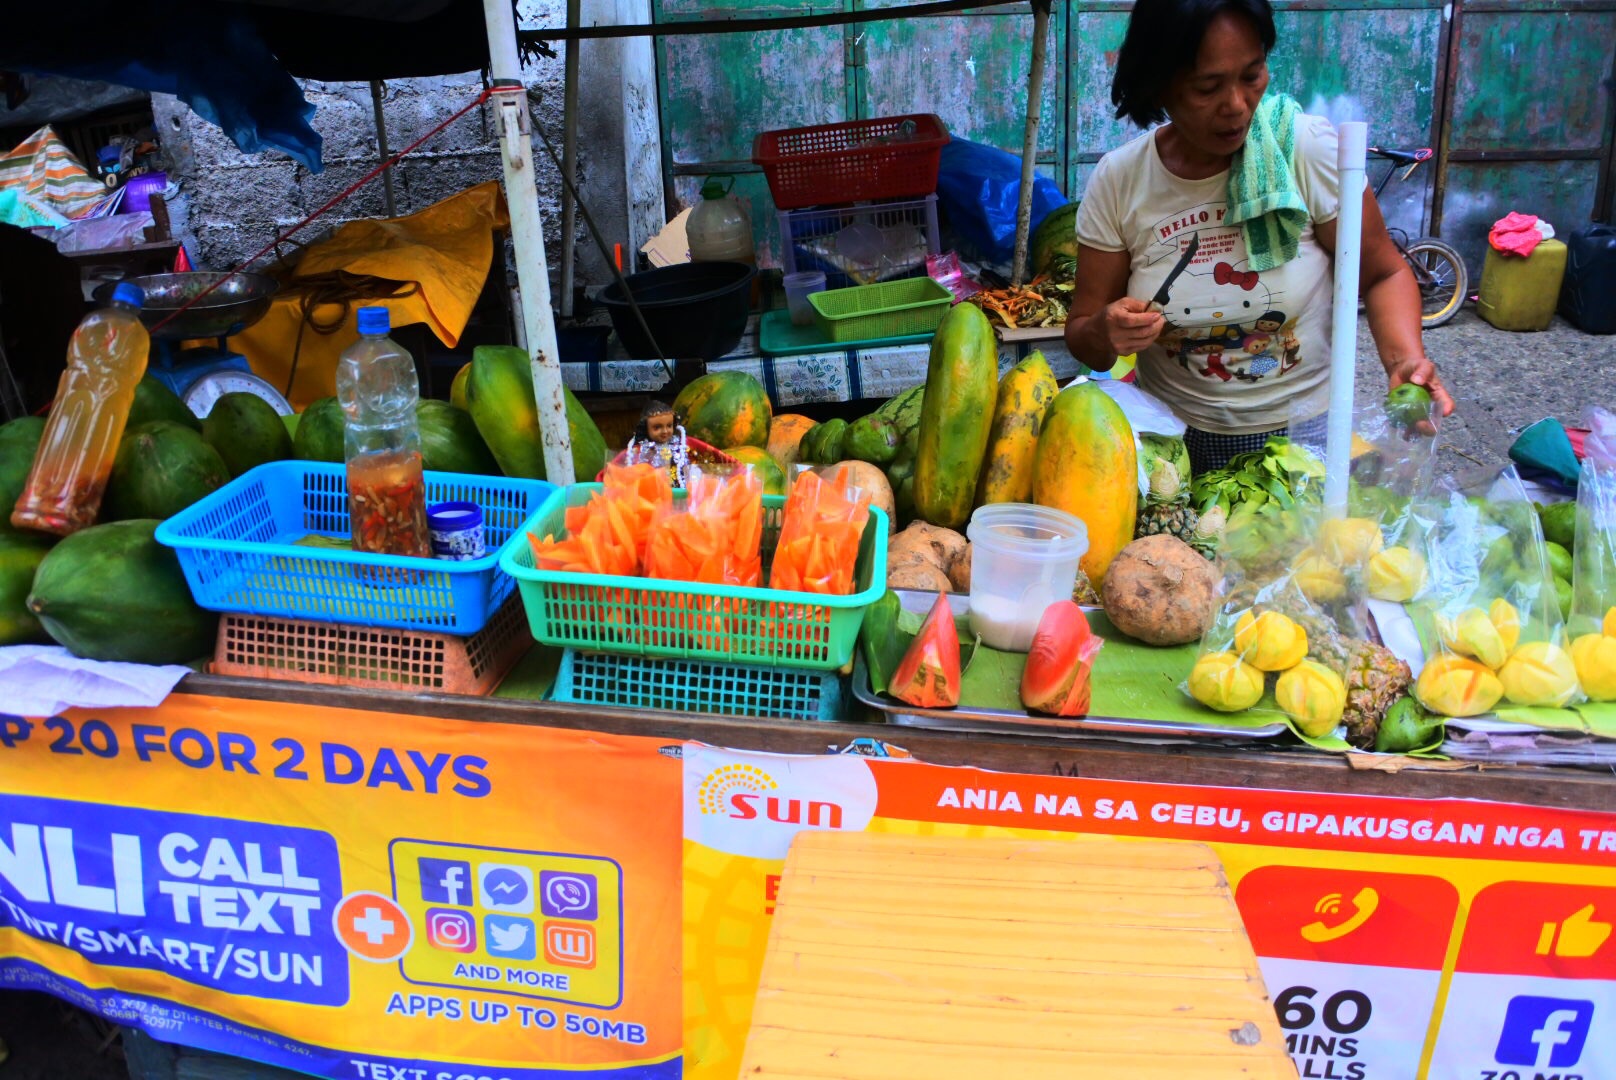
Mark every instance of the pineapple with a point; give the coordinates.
(1374, 676)
(1174, 519)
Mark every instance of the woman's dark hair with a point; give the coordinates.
(1163, 39)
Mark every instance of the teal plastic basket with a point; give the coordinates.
(263, 545)
(695, 686)
(655, 617)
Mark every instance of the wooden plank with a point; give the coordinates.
(908, 956)
(1296, 769)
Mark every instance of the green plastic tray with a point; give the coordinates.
(885, 309)
(655, 617)
(779, 336)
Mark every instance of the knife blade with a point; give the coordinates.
(1159, 301)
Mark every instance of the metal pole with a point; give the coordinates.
(1029, 144)
(376, 89)
(1354, 137)
(569, 158)
(527, 236)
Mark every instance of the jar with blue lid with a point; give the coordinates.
(457, 531)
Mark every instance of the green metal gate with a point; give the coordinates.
(1513, 94)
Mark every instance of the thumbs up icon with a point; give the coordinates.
(1580, 935)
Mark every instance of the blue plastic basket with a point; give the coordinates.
(240, 550)
(695, 686)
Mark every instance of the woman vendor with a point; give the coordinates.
(1241, 347)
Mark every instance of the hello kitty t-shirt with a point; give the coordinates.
(1242, 351)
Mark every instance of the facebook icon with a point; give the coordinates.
(445, 881)
(1544, 1032)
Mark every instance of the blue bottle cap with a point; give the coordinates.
(374, 320)
(127, 292)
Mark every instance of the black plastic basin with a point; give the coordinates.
(696, 311)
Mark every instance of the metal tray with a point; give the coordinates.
(998, 721)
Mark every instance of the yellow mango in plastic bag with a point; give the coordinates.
(1224, 682)
(1396, 574)
(1457, 686)
(1595, 658)
(1320, 580)
(1270, 641)
(1539, 673)
(1507, 621)
(1350, 541)
(1313, 696)
(1473, 634)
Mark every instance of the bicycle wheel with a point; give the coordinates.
(1444, 282)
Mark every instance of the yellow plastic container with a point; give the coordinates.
(1521, 294)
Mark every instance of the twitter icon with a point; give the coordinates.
(509, 937)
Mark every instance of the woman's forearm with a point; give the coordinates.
(1394, 307)
(1089, 348)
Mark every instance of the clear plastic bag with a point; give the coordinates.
(1293, 623)
(1591, 622)
(1488, 617)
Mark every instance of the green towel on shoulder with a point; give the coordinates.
(1263, 197)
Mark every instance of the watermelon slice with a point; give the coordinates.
(929, 675)
(1056, 678)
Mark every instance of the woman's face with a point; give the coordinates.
(1211, 104)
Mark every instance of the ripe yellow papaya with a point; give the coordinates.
(1025, 394)
(956, 416)
(1086, 466)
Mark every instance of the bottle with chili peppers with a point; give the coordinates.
(105, 362)
(378, 389)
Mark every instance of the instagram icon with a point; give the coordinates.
(450, 931)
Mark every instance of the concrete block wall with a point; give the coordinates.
(232, 203)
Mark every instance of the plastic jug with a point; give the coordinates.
(719, 229)
(1520, 294)
(378, 389)
(1588, 297)
(105, 361)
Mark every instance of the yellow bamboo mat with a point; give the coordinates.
(894, 957)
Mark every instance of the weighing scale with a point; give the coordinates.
(201, 374)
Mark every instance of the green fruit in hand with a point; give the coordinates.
(1562, 589)
(1559, 560)
(1407, 727)
(1560, 523)
(1409, 404)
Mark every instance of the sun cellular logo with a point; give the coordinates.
(746, 793)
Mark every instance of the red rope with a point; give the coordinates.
(333, 201)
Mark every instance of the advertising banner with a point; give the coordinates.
(349, 894)
(1400, 939)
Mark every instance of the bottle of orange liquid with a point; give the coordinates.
(105, 361)
(378, 389)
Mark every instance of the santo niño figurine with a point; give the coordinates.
(659, 439)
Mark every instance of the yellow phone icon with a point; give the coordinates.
(1364, 905)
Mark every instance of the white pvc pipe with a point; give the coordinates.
(1350, 155)
(527, 237)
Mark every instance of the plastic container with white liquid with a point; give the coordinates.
(1023, 558)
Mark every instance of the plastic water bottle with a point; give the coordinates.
(378, 389)
(719, 229)
(105, 361)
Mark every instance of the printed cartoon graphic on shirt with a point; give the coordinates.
(1223, 321)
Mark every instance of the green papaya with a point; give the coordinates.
(450, 441)
(19, 440)
(155, 401)
(872, 438)
(956, 416)
(1407, 727)
(161, 468)
(112, 592)
(20, 555)
(499, 396)
(247, 432)
(319, 434)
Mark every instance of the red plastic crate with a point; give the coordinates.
(853, 161)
